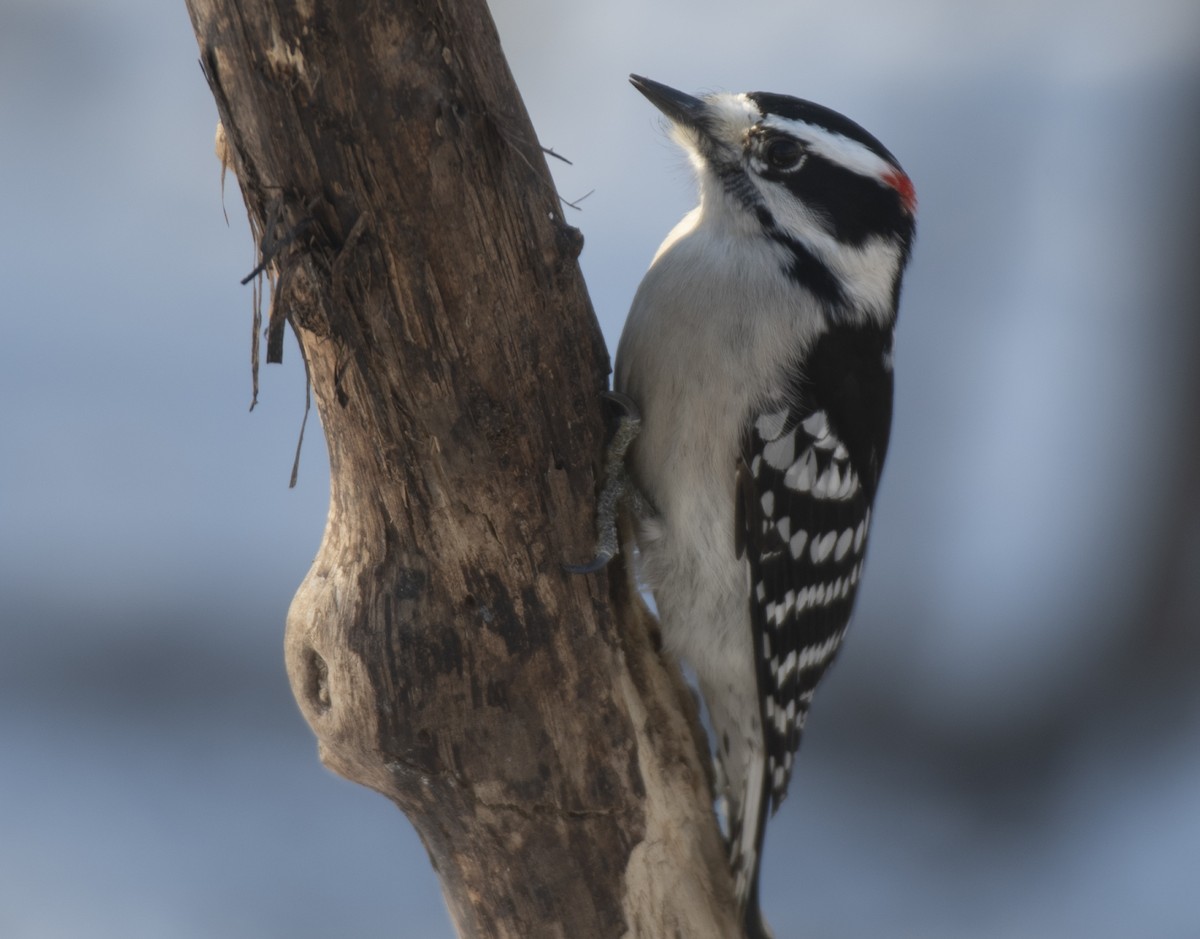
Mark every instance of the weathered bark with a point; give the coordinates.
(521, 718)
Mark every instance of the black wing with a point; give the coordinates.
(811, 468)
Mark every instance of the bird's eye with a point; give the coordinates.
(784, 153)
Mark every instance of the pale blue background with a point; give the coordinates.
(1010, 746)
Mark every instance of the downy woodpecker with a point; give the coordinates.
(758, 354)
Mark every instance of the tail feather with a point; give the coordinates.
(745, 786)
(748, 800)
(746, 850)
(756, 926)
(746, 823)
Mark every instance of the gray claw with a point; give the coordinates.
(625, 403)
(598, 563)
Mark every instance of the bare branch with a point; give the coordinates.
(522, 718)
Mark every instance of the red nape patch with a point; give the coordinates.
(904, 187)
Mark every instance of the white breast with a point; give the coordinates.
(710, 337)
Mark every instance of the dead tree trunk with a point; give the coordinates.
(520, 717)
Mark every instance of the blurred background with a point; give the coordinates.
(1010, 744)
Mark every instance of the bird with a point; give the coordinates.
(756, 369)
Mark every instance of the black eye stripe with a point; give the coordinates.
(857, 207)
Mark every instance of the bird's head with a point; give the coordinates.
(808, 179)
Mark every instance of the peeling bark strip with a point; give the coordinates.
(537, 742)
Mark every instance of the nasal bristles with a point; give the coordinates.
(904, 189)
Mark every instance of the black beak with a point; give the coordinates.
(679, 107)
